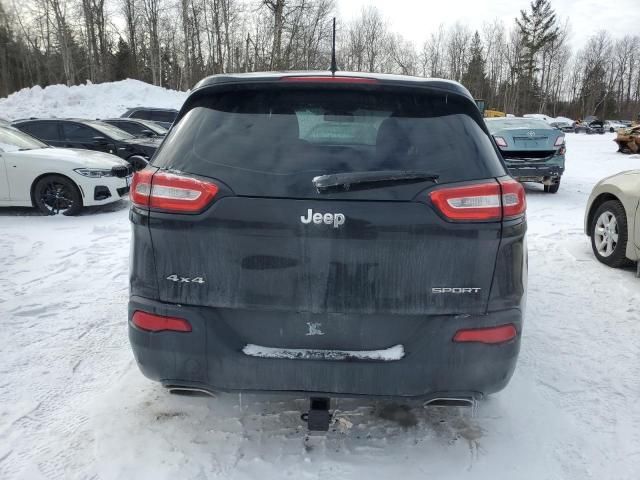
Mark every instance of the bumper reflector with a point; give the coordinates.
(158, 323)
(491, 335)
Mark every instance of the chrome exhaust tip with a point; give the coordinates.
(190, 391)
(451, 402)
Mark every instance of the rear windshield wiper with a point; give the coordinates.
(370, 179)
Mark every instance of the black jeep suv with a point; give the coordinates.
(347, 234)
(91, 135)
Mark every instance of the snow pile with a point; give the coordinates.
(388, 354)
(564, 119)
(547, 118)
(100, 100)
(539, 116)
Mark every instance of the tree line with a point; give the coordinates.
(524, 67)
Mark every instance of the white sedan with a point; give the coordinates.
(57, 180)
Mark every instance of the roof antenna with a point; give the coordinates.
(334, 67)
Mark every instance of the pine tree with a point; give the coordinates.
(538, 28)
(474, 78)
(122, 60)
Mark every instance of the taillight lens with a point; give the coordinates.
(491, 335)
(501, 142)
(514, 200)
(169, 192)
(141, 187)
(159, 323)
(559, 141)
(479, 202)
(484, 202)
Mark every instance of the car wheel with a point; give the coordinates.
(609, 234)
(55, 194)
(552, 188)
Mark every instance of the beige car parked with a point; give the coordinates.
(612, 219)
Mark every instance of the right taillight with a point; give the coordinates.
(514, 200)
(491, 335)
(484, 202)
(158, 190)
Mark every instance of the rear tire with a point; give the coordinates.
(609, 234)
(552, 188)
(54, 194)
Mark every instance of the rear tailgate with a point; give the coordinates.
(387, 258)
(271, 241)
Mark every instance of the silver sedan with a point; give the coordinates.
(612, 219)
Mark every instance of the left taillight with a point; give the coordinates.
(159, 323)
(169, 192)
(484, 202)
(501, 142)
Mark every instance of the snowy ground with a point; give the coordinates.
(74, 405)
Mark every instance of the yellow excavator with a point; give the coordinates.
(488, 113)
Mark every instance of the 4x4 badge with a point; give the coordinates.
(181, 279)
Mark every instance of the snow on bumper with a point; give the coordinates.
(388, 354)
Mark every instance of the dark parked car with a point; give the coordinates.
(342, 235)
(532, 149)
(137, 127)
(563, 127)
(590, 125)
(163, 116)
(91, 135)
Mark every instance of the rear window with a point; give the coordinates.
(307, 132)
(163, 116)
(144, 114)
(42, 130)
(500, 124)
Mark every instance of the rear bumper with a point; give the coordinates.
(531, 172)
(211, 357)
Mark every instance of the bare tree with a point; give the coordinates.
(457, 50)
(518, 67)
(277, 9)
(151, 12)
(432, 56)
(129, 9)
(63, 33)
